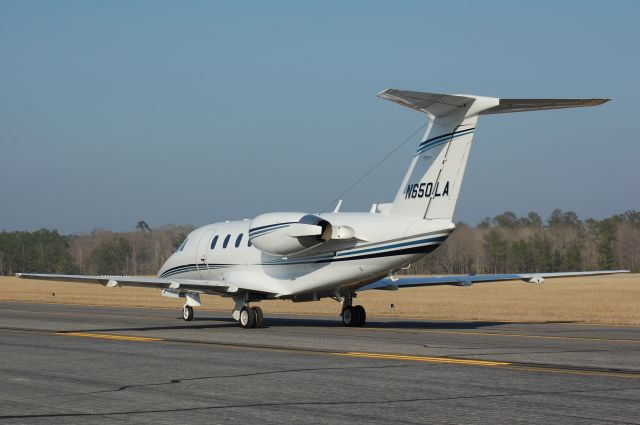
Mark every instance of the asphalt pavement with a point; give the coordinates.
(86, 364)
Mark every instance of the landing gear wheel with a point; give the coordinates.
(187, 313)
(247, 318)
(259, 316)
(360, 315)
(354, 315)
(348, 316)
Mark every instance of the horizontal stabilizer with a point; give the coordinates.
(431, 103)
(431, 185)
(522, 105)
(439, 105)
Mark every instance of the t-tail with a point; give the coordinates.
(432, 183)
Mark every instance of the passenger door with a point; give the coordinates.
(204, 253)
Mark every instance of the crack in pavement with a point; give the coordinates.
(242, 375)
(326, 403)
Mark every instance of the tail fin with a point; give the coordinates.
(432, 183)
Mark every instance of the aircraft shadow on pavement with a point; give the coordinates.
(283, 323)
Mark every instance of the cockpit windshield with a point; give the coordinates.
(182, 245)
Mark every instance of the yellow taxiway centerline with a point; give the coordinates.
(503, 365)
(400, 357)
(109, 336)
(423, 359)
(508, 335)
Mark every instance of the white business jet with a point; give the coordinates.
(305, 257)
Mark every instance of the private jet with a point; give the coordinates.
(305, 257)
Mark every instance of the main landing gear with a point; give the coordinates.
(352, 315)
(251, 317)
(248, 317)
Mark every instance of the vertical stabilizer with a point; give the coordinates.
(432, 183)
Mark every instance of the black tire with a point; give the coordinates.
(247, 318)
(259, 316)
(361, 315)
(187, 313)
(348, 316)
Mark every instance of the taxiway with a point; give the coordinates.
(86, 364)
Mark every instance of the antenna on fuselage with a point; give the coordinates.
(337, 208)
(365, 175)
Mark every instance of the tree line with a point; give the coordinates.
(505, 243)
(139, 252)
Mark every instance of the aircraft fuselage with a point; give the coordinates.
(382, 244)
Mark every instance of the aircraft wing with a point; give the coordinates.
(205, 286)
(468, 280)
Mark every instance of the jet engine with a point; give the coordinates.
(291, 233)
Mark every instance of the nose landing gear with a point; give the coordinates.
(187, 313)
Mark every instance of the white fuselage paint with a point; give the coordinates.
(305, 257)
(355, 248)
(383, 244)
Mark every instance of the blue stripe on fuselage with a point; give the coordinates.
(269, 226)
(253, 234)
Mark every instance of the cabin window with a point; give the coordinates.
(226, 241)
(248, 242)
(238, 240)
(214, 242)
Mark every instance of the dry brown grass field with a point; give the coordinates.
(602, 299)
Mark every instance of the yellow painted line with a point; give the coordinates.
(505, 365)
(576, 371)
(110, 336)
(512, 335)
(423, 359)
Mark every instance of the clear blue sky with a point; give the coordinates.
(195, 112)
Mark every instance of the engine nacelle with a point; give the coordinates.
(290, 233)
